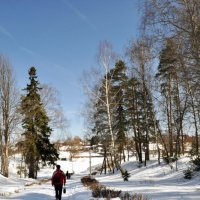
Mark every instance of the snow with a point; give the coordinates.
(158, 182)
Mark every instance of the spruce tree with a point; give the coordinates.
(119, 80)
(36, 144)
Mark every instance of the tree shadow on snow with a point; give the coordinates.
(33, 196)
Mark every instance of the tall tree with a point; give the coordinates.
(166, 75)
(103, 101)
(101, 127)
(169, 78)
(36, 144)
(140, 54)
(105, 59)
(133, 107)
(118, 86)
(50, 99)
(9, 100)
(179, 20)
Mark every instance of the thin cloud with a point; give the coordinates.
(9, 35)
(78, 13)
(28, 51)
(5, 32)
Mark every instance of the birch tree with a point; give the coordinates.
(57, 119)
(9, 100)
(106, 59)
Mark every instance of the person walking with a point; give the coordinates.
(67, 174)
(57, 180)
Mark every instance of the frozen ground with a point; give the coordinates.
(158, 182)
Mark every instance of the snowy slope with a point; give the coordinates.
(158, 182)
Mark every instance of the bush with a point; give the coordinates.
(126, 175)
(88, 181)
(188, 173)
(127, 196)
(196, 163)
(103, 192)
(100, 191)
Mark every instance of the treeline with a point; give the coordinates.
(152, 94)
(26, 121)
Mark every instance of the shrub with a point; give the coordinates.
(88, 181)
(100, 191)
(127, 196)
(126, 175)
(103, 192)
(196, 163)
(188, 173)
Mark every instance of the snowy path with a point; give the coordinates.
(74, 191)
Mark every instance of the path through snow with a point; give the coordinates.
(74, 191)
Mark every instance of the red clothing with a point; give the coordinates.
(62, 178)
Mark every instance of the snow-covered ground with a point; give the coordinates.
(158, 182)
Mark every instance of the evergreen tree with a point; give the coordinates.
(139, 115)
(148, 117)
(133, 102)
(36, 144)
(118, 85)
(168, 76)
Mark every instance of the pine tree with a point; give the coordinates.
(133, 112)
(139, 115)
(119, 80)
(36, 144)
(169, 85)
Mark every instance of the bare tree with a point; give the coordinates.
(9, 99)
(50, 100)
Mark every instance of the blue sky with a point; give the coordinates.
(60, 38)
